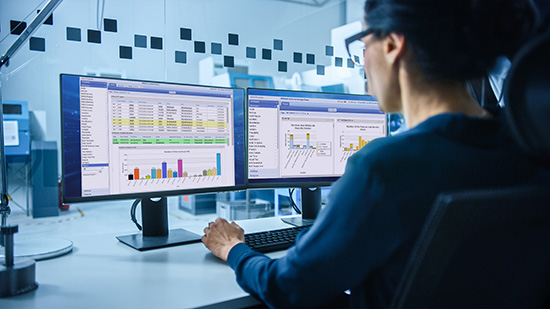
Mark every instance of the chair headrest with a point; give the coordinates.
(527, 97)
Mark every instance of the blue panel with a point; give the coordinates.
(73, 34)
(18, 111)
(125, 52)
(156, 42)
(181, 57)
(140, 41)
(350, 64)
(216, 48)
(251, 52)
(338, 62)
(277, 44)
(38, 44)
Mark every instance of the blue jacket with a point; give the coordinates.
(362, 239)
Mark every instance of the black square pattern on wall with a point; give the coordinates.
(73, 34)
(310, 59)
(94, 36)
(282, 66)
(17, 27)
(277, 44)
(185, 34)
(140, 41)
(228, 61)
(266, 54)
(49, 20)
(216, 48)
(320, 70)
(181, 57)
(200, 47)
(125, 52)
(297, 57)
(233, 39)
(110, 25)
(329, 50)
(38, 44)
(156, 42)
(251, 52)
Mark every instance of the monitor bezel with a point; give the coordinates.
(154, 193)
(274, 183)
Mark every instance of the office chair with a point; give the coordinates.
(491, 248)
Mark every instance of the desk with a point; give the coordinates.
(104, 273)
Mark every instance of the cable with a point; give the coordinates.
(133, 213)
(296, 209)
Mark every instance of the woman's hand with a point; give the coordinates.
(220, 236)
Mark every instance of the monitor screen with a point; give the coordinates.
(130, 138)
(299, 139)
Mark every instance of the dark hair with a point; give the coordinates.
(454, 40)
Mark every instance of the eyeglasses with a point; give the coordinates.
(356, 48)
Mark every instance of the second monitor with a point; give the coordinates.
(304, 139)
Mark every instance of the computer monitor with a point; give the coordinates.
(304, 139)
(126, 139)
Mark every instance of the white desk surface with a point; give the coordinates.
(101, 272)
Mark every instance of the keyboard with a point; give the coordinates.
(273, 240)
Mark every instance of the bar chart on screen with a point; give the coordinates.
(162, 168)
(352, 135)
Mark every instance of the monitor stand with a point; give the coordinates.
(311, 204)
(155, 234)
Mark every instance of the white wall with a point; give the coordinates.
(34, 76)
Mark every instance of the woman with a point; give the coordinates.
(418, 57)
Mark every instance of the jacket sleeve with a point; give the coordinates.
(352, 236)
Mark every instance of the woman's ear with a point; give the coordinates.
(394, 47)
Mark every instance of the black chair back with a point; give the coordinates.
(487, 248)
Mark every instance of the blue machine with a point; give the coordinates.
(16, 131)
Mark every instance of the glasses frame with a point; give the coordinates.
(354, 38)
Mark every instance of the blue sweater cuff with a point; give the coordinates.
(236, 253)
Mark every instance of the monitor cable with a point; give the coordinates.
(133, 213)
(296, 209)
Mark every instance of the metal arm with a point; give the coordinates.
(38, 20)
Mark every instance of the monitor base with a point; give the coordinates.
(174, 238)
(298, 221)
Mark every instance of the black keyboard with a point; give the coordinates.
(274, 240)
